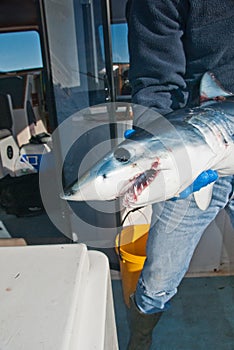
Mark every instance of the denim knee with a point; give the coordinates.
(152, 302)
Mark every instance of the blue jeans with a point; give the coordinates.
(176, 228)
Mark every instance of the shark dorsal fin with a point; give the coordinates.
(211, 89)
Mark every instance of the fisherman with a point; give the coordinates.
(172, 43)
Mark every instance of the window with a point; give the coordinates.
(119, 34)
(20, 51)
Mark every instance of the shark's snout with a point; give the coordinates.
(91, 189)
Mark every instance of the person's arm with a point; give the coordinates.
(157, 58)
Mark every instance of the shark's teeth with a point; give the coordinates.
(139, 184)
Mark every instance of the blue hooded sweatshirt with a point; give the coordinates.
(172, 43)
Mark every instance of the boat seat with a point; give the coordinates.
(6, 115)
(4, 133)
(9, 149)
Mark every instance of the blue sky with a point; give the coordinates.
(119, 33)
(21, 50)
(25, 46)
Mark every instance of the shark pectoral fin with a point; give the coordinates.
(203, 196)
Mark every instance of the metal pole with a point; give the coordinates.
(106, 20)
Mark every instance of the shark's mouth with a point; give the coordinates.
(138, 184)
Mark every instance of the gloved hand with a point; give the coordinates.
(204, 179)
(128, 133)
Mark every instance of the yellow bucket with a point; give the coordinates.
(131, 248)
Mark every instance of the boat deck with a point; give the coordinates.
(202, 313)
(201, 316)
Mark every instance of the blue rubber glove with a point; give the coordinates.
(204, 179)
(128, 133)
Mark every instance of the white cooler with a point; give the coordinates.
(55, 297)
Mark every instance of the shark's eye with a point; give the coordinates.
(122, 155)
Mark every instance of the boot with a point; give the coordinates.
(141, 327)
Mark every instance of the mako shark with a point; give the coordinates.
(160, 160)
